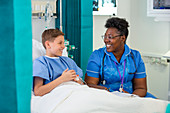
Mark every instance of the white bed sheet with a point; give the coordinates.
(71, 97)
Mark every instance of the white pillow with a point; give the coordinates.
(65, 53)
(39, 50)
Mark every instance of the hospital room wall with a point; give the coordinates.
(152, 39)
(149, 37)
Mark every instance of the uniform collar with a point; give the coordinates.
(125, 54)
(51, 57)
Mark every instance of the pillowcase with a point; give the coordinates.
(37, 49)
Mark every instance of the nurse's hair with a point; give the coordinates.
(50, 35)
(120, 24)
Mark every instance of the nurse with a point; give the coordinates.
(116, 67)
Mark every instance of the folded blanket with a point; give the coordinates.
(71, 97)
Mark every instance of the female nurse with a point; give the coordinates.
(116, 67)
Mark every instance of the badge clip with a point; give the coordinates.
(104, 82)
(121, 88)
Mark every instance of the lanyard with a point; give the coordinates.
(121, 85)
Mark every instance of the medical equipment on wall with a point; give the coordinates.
(105, 7)
(44, 14)
(69, 48)
(44, 9)
(48, 13)
(160, 9)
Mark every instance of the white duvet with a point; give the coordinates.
(71, 97)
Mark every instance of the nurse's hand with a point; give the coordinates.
(93, 82)
(125, 91)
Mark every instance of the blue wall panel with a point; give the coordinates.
(23, 53)
(8, 101)
(16, 56)
(78, 28)
(86, 32)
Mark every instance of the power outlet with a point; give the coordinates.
(164, 61)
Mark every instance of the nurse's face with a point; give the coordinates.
(113, 40)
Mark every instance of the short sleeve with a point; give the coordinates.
(93, 66)
(40, 69)
(140, 72)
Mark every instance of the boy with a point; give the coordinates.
(51, 70)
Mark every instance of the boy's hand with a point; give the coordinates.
(68, 75)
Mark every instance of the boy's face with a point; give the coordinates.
(55, 48)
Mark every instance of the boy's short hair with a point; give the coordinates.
(50, 35)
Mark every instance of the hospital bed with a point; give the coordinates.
(71, 97)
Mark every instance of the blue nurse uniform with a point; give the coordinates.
(134, 68)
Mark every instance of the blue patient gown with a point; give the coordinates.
(134, 68)
(50, 68)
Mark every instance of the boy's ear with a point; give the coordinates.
(47, 44)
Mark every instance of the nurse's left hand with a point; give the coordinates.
(125, 91)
